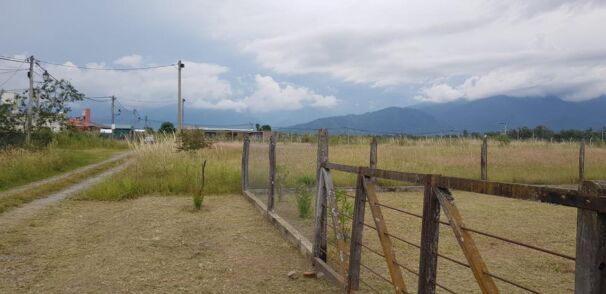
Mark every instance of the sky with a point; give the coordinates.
(285, 62)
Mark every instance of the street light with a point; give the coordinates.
(46, 76)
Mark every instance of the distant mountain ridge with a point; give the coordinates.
(481, 115)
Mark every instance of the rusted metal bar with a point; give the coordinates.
(430, 234)
(333, 210)
(590, 271)
(471, 252)
(390, 256)
(357, 229)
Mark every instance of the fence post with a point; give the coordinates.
(582, 162)
(319, 246)
(245, 155)
(484, 160)
(590, 272)
(430, 234)
(272, 172)
(357, 229)
(373, 156)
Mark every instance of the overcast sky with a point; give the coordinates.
(328, 57)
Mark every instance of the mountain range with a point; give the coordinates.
(488, 114)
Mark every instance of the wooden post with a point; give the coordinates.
(373, 156)
(320, 242)
(430, 234)
(590, 272)
(357, 229)
(272, 172)
(484, 160)
(245, 155)
(582, 162)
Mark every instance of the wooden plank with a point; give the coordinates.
(272, 172)
(390, 256)
(245, 157)
(471, 252)
(581, 163)
(330, 274)
(484, 160)
(430, 234)
(357, 230)
(320, 241)
(590, 271)
(566, 197)
(373, 156)
(337, 227)
(416, 178)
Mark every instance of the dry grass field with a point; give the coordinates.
(151, 245)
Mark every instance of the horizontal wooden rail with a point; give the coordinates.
(566, 197)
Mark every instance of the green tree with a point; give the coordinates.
(167, 128)
(265, 128)
(51, 102)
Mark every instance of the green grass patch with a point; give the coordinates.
(22, 166)
(160, 169)
(11, 200)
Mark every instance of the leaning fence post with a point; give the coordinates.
(319, 246)
(582, 162)
(272, 172)
(373, 156)
(484, 160)
(245, 155)
(430, 234)
(590, 267)
(357, 229)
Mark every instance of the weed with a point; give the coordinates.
(199, 193)
(304, 197)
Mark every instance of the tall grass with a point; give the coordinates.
(22, 166)
(160, 169)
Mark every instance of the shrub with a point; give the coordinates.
(346, 209)
(281, 177)
(192, 140)
(306, 180)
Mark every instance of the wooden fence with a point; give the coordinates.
(589, 199)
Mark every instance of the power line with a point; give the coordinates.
(100, 68)
(11, 76)
(13, 59)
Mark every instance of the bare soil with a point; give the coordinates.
(151, 244)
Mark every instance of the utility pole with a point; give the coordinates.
(180, 65)
(113, 115)
(28, 120)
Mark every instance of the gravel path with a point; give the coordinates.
(11, 218)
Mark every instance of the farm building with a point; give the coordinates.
(232, 133)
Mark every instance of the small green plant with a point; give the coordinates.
(199, 193)
(346, 209)
(304, 197)
(281, 177)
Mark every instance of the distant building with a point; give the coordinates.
(84, 122)
(231, 133)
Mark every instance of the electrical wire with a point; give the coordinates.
(107, 69)
(11, 76)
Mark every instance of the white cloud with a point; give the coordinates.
(416, 43)
(271, 96)
(133, 60)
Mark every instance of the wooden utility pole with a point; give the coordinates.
(179, 99)
(28, 119)
(113, 115)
